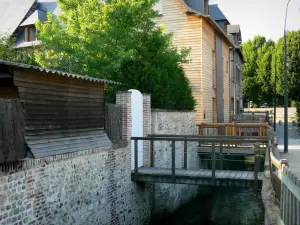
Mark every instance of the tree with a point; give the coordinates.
(117, 40)
(251, 87)
(293, 49)
(8, 51)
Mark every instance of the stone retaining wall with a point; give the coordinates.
(169, 197)
(91, 188)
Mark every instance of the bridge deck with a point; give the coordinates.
(196, 177)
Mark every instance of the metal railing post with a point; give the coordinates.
(173, 162)
(136, 163)
(213, 167)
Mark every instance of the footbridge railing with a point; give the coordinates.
(233, 129)
(180, 175)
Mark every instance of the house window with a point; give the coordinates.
(232, 106)
(206, 8)
(214, 74)
(30, 33)
(214, 110)
(158, 7)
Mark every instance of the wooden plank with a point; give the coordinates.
(289, 215)
(173, 162)
(185, 155)
(213, 156)
(244, 175)
(232, 174)
(29, 86)
(61, 98)
(294, 200)
(291, 185)
(58, 91)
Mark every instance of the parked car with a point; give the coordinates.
(265, 105)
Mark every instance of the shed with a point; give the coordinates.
(61, 112)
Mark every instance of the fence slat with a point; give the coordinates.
(113, 121)
(298, 204)
(293, 203)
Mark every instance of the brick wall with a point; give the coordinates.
(124, 99)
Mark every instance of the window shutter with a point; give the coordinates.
(158, 7)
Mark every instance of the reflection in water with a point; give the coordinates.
(220, 206)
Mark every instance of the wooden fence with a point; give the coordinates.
(233, 129)
(12, 144)
(113, 122)
(286, 187)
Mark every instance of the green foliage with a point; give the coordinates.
(264, 59)
(257, 69)
(8, 52)
(117, 40)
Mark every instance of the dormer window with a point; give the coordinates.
(30, 33)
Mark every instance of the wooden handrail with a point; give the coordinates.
(279, 164)
(233, 124)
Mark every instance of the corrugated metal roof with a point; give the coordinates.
(60, 73)
(57, 144)
(12, 13)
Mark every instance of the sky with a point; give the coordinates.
(263, 17)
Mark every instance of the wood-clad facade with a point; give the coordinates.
(187, 32)
(208, 76)
(63, 113)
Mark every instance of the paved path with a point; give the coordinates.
(293, 155)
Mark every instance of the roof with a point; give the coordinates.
(233, 29)
(57, 72)
(216, 13)
(12, 13)
(38, 15)
(210, 20)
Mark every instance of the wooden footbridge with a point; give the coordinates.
(215, 146)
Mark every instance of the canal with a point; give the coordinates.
(220, 206)
(223, 205)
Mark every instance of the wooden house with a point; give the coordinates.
(208, 67)
(46, 112)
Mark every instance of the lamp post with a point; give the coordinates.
(275, 83)
(285, 86)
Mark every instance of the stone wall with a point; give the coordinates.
(169, 197)
(89, 187)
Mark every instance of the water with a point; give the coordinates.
(220, 206)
